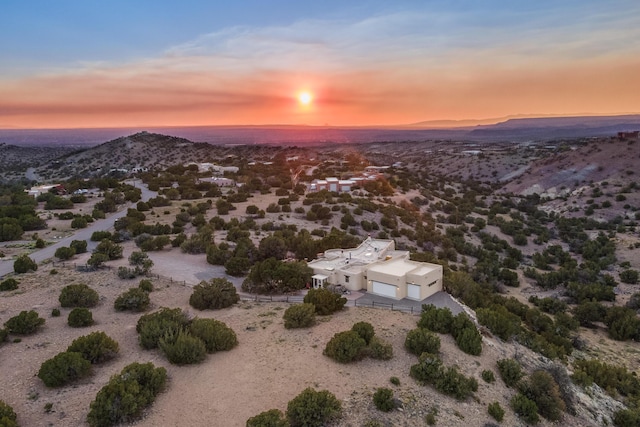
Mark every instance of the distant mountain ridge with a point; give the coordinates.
(509, 130)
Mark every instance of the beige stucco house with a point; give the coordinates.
(376, 266)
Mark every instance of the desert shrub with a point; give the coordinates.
(525, 408)
(153, 326)
(64, 368)
(3, 335)
(379, 349)
(313, 409)
(364, 330)
(510, 371)
(65, 253)
(97, 347)
(496, 411)
(420, 340)
(127, 273)
(80, 317)
(79, 246)
(7, 415)
(218, 293)
(134, 299)
(25, 323)
(24, 264)
(612, 378)
(55, 312)
(98, 236)
(427, 370)
(436, 319)
(469, 340)
(488, 376)
(383, 399)
(9, 284)
(270, 418)
(182, 348)
(299, 316)
(215, 335)
(79, 222)
(345, 347)
(541, 388)
(627, 418)
(455, 384)
(325, 301)
(629, 276)
(79, 295)
(126, 395)
(146, 285)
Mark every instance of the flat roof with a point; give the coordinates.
(397, 267)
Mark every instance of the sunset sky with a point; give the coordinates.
(88, 63)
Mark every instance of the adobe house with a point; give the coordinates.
(376, 266)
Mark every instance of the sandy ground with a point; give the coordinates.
(270, 366)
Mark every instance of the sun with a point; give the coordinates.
(305, 98)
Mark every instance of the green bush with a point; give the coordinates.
(25, 323)
(496, 411)
(510, 371)
(270, 418)
(134, 299)
(469, 340)
(542, 388)
(627, 418)
(79, 246)
(325, 301)
(629, 276)
(313, 409)
(300, 316)
(379, 349)
(215, 335)
(153, 326)
(395, 381)
(126, 395)
(64, 253)
(55, 312)
(146, 285)
(488, 376)
(9, 284)
(80, 317)
(383, 399)
(216, 294)
(364, 330)
(7, 415)
(182, 348)
(421, 340)
(453, 383)
(525, 408)
(79, 295)
(97, 347)
(3, 335)
(429, 370)
(436, 319)
(64, 368)
(345, 347)
(24, 264)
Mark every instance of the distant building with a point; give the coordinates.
(41, 189)
(211, 167)
(341, 185)
(219, 181)
(376, 266)
(628, 135)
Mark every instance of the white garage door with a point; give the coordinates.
(384, 289)
(413, 291)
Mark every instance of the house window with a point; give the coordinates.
(346, 279)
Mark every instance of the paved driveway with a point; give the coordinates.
(6, 267)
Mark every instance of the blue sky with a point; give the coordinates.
(427, 60)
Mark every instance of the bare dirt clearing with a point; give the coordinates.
(270, 366)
